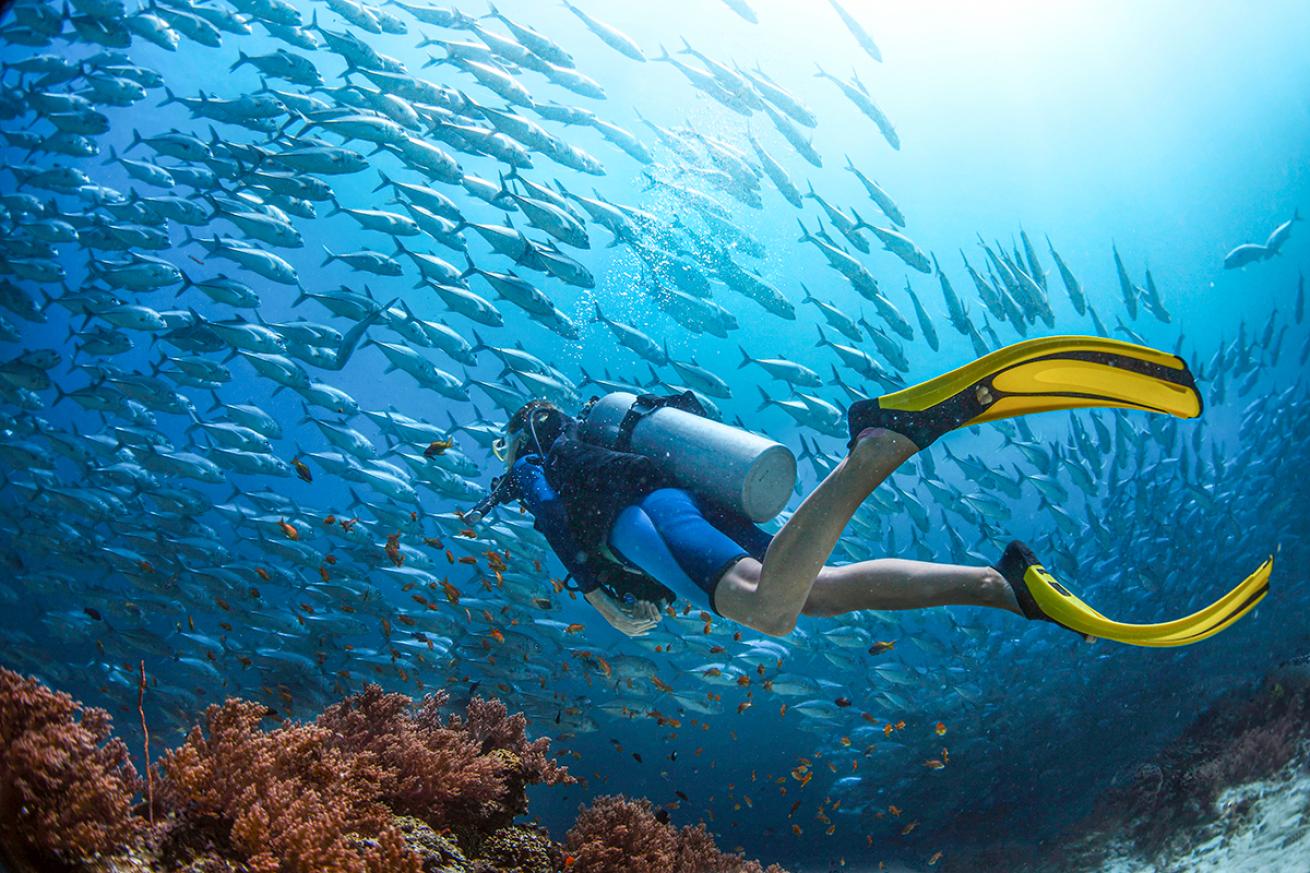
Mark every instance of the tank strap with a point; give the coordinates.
(645, 404)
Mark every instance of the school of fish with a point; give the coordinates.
(268, 293)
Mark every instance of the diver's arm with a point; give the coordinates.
(550, 518)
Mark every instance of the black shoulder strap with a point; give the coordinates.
(645, 404)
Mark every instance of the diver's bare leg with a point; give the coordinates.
(772, 600)
(894, 583)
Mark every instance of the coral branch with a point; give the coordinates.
(145, 731)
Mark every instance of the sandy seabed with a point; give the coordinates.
(1263, 827)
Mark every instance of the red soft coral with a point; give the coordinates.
(66, 788)
(467, 774)
(618, 835)
(287, 800)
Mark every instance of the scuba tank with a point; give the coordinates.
(732, 467)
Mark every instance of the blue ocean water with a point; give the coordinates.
(1169, 132)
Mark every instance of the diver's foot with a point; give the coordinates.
(997, 591)
(1014, 564)
(881, 435)
(866, 420)
(921, 427)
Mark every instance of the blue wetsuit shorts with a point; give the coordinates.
(685, 543)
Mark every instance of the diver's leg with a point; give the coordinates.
(674, 543)
(894, 583)
(772, 602)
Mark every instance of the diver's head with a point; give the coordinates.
(534, 428)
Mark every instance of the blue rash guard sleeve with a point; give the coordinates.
(549, 517)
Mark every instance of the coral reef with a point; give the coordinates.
(470, 774)
(66, 787)
(619, 835)
(376, 784)
(283, 800)
(1241, 739)
(1163, 808)
(519, 849)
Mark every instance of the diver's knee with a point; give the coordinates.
(735, 598)
(770, 625)
(820, 602)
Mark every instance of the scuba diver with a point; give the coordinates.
(646, 488)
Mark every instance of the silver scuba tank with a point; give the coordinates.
(734, 468)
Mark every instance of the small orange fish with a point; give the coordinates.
(782, 710)
(569, 860)
(934, 764)
(262, 573)
(331, 519)
(887, 729)
(301, 470)
(796, 829)
(331, 559)
(939, 729)
(468, 559)
(661, 684)
(497, 635)
(288, 530)
(452, 593)
(575, 628)
(348, 523)
(895, 811)
(909, 828)
(323, 573)
(743, 706)
(438, 447)
(392, 549)
(900, 725)
(843, 702)
(937, 856)
(882, 646)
